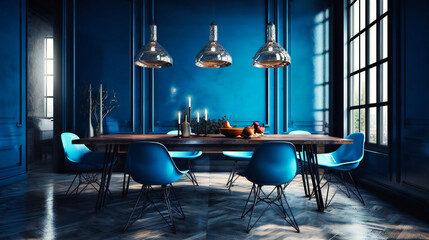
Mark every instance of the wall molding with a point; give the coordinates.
(272, 76)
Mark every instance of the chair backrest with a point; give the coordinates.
(300, 132)
(272, 163)
(73, 152)
(173, 132)
(351, 153)
(112, 125)
(149, 163)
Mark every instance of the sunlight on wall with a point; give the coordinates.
(321, 69)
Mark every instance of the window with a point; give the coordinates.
(367, 63)
(49, 78)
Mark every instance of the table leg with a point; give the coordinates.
(107, 152)
(316, 166)
(303, 171)
(311, 155)
(109, 173)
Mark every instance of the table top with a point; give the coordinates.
(212, 142)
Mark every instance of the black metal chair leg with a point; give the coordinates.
(71, 184)
(358, 195)
(232, 175)
(255, 197)
(293, 222)
(166, 193)
(135, 205)
(248, 198)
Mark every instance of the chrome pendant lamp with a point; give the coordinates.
(153, 55)
(213, 55)
(271, 54)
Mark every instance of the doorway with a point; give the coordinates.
(41, 62)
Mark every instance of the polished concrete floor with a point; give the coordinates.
(38, 209)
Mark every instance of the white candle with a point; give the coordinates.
(189, 101)
(90, 99)
(206, 114)
(178, 117)
(101, 101)
(101, 109)
(198, 117)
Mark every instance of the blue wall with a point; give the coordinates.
(102, 46)
(310, 76)
(12, 92)
(102, 50)
(237, 91)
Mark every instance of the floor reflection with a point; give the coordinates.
(38, 209)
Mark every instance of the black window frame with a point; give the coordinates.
(379, 103)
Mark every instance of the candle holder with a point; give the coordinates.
(190, 115)
(198, 129)
(205, 127)
(190, 130)
(178, 130)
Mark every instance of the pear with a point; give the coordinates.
(226, 124)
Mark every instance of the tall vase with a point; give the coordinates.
(100, 129)
(90, 128)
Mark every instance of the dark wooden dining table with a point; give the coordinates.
(115, 143)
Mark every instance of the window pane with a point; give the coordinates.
(49, 107)
(373, 44)
(354, 51)
(383, 82)
(373, 85)
(354, 121)
(363, 50)
(373, 125)
(383, 127)
(383, 36)
(362, 88)
(354, 90)
(362, 120)
(383, 6)
(354, 19)
(49, 85)
(49, 66)
(49, 48)
(362, 14)
(372, 10)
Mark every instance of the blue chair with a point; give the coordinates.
(236, 156)
(187, 156)
(340, 162)
(150, 164)
(111, 125)
(274, 164)
(300, 156)
(83, 161)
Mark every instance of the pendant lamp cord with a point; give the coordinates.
(213, 11)
(153, 12)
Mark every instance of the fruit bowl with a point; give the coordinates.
(231, 132)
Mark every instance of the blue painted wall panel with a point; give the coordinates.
(238, 91)
(310, 53)
(103, 55)
(104, 48)
(12, 91)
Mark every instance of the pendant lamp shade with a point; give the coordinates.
(271, 54)
(213, 55)
(153, 55)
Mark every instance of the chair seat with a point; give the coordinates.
(328, 161)
(185, 154)
(245, 155)
(90, 161)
